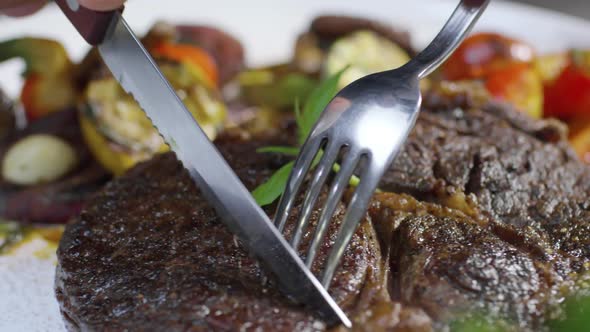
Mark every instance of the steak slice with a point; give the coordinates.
(464, 140)
(452, 265)
(520, 171)
(148, 253)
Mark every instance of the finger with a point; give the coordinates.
(24, 9)
(101, 5)
(13, 3)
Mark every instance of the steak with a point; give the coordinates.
(520, 171)
(162, 259)
(484, 211)
(450, 264)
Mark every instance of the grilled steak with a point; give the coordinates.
(483, 212)
(165, 257)
(519, 171)
(450, 264)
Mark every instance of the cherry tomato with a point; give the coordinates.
(518, 84)
(484, 52)
(42, 95)
(49, 84)
(569, 95)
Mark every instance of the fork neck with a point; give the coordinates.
(449, 38)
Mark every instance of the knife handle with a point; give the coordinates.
(92, 25)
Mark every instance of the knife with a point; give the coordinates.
(139, 75)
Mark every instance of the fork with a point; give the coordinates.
(364, 125)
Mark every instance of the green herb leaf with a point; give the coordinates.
(577, 312)
(315, 104)
(273, 188)
(576, 317)
(286, 150)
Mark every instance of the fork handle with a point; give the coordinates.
(449, 38)
(92, 25)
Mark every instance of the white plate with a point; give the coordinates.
(268, 29)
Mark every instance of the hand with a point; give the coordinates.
(26, 7)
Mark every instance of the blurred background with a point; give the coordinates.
(579, 8)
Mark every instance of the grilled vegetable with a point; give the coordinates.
(119, 133)
(518, 84)
(11, 233)
(38, 159)
(276, 87)
(48, 85)
(313, 46)
(308, 56)
(226, 51)
(365, 52)
(506, 67)
(580, 141)
(7, 116)
(550, 66)
(195, 59)
(482, 53)
(14, 236)
(332, 27)
(579, 135)
(569, 95)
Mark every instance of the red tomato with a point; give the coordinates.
(518, 84)
(483, 52)
(42, 95)
(569, 95)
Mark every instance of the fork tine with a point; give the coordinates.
(321, 174)
(340, 183)
(356, 210)
(300, 168)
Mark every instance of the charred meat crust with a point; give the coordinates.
(450, 264)
(521, 171)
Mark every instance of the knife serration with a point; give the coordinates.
(138, 74)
